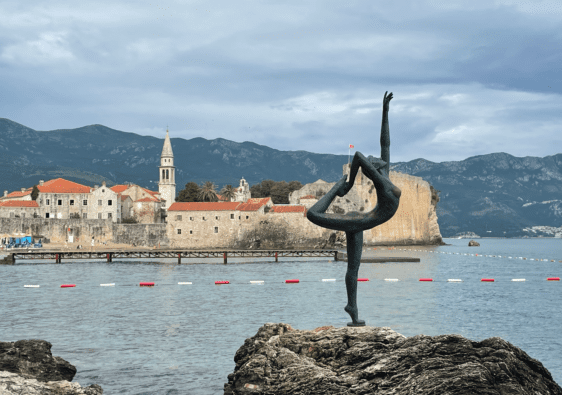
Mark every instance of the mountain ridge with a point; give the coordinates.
(478, 194)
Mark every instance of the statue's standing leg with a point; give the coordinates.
(354, 250)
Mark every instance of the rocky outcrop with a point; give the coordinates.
(11, 383)
(28, 367)
(370, 360)
(473, 243)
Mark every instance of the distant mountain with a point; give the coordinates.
(496, 192)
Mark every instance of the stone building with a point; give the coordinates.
(203, 224)
(308, 201)
(24, 194)
(19, 209)
(104, 204)
(145, 205)
(62, 199)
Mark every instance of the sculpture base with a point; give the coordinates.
(358, 323)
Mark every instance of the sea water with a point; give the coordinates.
(175, 339)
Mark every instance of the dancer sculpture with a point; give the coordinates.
(354, 223)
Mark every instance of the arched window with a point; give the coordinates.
(167, 175)
(163, 174)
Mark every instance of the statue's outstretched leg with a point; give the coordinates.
(354, 250)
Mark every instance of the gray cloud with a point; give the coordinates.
(469, 78)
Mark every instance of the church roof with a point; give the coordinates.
(167, 149)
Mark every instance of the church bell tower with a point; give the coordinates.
(167, 184)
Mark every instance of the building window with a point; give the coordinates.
(109, 202)
(108, 215)
(217, 217)
(238, 217)
(178, 217)
(99, 202)
(84, 202)
(46, 215)
(231, 216)
(191, 218)
(190, 232)
(216, 229)
(72, 202)
(99, 216)
(85, 216)
(247, 217)
(103, 190)
(179, 231)
(204, 219)
(48, 202)
(60, 202)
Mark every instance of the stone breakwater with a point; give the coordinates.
(370, 360)
(27, 367)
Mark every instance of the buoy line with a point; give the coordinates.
(482, 255)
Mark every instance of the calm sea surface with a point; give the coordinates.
(175, 339)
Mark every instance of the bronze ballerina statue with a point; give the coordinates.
(354, 223)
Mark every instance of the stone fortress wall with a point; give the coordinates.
(81, 231)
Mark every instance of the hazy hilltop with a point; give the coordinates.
(495, 192)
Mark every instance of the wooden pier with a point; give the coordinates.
(109, 255)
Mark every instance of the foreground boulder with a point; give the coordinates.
(369, 360)
(28, 367)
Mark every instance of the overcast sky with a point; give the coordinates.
(468, 77)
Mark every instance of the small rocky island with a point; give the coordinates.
(371, 360)
(28, 367)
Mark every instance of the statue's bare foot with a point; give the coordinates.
(354, 314)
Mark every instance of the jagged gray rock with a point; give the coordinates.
(370, 360)
(33, 359)
(12, 383)
(27, 367)
(473, 243)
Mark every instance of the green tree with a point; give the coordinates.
(34, 192)
(228, 192)
(189, 194)
(255, 191)
(280, 193)
(208, 192)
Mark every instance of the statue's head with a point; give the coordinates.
(377, 162)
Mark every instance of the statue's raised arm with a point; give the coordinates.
(385, 133)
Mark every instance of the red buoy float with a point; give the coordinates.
(362, 279)
(426, 279)
(222, 282)
(68, 285)
(296, 280)
(489, 280)
(146, 284)
(553, 279)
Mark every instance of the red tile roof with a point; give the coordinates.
(60, 185)
(288, 209)
(261, 201)
(309, 197)
(19, 203)
(249, 207)
(151, 192)
(119, 188)
(204, 206)
(19, 193)
(147, 199)
(124, 197)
